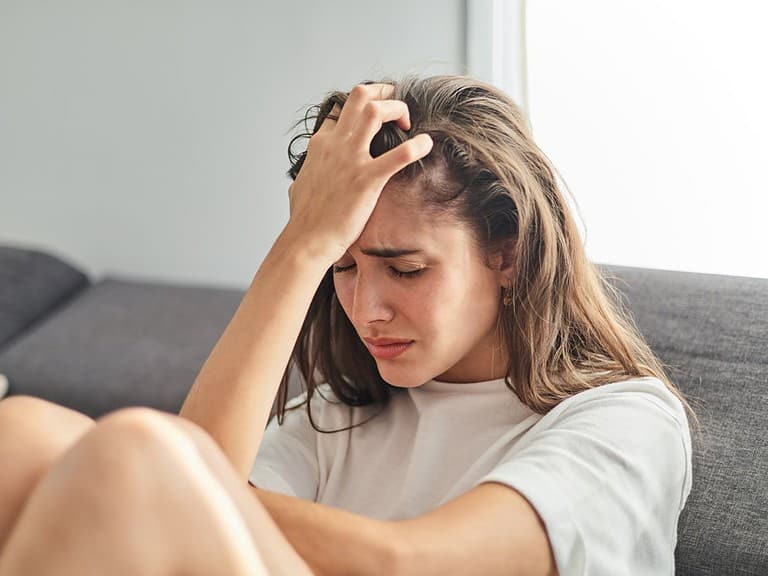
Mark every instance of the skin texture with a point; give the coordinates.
(94, 488)
(331, 201)
(94, 509)
(449, 308)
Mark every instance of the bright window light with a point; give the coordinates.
(656, 115)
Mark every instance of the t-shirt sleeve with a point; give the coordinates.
(608, 474)
(287, 458)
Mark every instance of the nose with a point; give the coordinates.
(370, 302)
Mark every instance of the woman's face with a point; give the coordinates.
(441, 301)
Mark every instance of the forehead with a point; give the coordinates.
(402, 220)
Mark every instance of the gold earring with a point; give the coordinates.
(507, 300)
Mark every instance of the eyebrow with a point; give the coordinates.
(390, 252)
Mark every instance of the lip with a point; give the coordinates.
(387, 348)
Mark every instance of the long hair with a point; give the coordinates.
(565, 329)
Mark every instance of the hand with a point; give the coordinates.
(339, 183)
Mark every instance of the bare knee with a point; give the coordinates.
(132, 437)
(122, 470)
(136, 472)
(35, 432)
(144, 426)
(117, 498)
(160, 425)
(133, 418)
(131, 448)
(27, 412)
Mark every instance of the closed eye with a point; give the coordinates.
(340, 269)
(399, 274)
(394, 271)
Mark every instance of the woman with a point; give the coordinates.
(483, 405)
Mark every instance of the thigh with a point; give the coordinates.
(147, 477)
(34, 433)
(279, 555)
(130, 497)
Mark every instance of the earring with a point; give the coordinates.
(507, 300)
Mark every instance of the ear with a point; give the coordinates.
(504, 263)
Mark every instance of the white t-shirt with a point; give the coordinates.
(608, 470)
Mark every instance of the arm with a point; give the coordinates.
(331, 200)
(333, 542)
(608, 469)
(233, 394)
(491, 530)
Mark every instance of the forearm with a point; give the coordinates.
(333, 542)
(232, 396)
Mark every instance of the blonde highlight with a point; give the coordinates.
(562, 322)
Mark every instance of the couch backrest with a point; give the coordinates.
(712, 333)
(32, 284)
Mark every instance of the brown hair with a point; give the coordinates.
(565, 330)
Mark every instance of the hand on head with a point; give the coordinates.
(339, 183)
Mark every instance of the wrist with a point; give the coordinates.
(308, 250)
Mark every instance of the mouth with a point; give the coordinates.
(387, 348)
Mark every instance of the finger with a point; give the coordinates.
(390, 163)
(358, 97)
(374, 114)
(330, 120)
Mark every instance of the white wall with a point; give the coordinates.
(655, 113)
(148, 138)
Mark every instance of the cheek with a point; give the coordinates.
(421, 310)
(344, 291)
(468, 307)
(434, 304)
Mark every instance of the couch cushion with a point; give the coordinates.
(121, 343)
(32, 284)
(712, 333)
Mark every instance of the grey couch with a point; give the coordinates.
(99, 345)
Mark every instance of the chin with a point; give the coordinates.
(401, 378)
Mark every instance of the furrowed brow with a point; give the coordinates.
(389, 252)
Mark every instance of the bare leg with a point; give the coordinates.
(278, 554)
(33, 435)
(138, 495)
